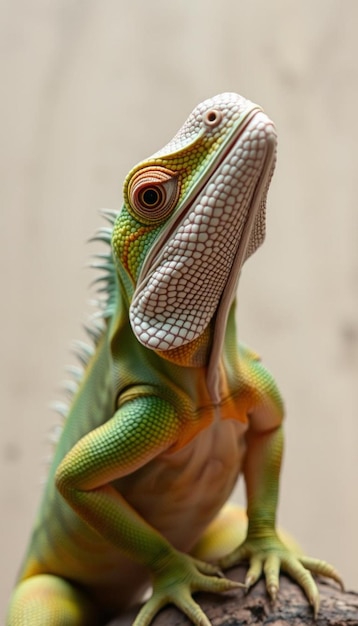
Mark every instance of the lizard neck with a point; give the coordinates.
(196, 353)
(206, 352)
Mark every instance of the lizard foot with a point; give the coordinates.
(175, 583)
(269, 555)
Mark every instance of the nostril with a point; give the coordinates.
(212, 117)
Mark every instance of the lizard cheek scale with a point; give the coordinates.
(170, 408)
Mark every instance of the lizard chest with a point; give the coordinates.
(180, 493)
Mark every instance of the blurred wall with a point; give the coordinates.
(88, 89)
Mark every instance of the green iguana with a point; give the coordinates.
(169, 411)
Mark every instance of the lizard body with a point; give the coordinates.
(169, 411)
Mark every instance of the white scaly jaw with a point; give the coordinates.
(192, 272)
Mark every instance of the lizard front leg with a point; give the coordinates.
(140, 430)
(262, 547)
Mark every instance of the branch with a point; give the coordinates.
(239, 609)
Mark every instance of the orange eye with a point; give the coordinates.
(153, 192)
(212, 117)
(151, 197)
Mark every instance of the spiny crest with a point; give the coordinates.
(106, 281)
(106, 289)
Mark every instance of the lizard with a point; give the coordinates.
(170, 409)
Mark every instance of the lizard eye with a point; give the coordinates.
(151, 197)
(212, 118)
(153, 192)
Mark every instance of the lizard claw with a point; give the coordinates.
(322, 568)
(272, 591)
(269, 555)
(181, 576)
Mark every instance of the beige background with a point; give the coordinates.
(88, 89)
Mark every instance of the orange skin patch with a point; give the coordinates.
(133, 237)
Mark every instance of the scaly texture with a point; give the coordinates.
(169, 410)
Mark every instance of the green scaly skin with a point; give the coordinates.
(169, 411)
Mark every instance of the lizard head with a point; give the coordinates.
(193, 212)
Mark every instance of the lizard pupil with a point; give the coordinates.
(151, 196)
